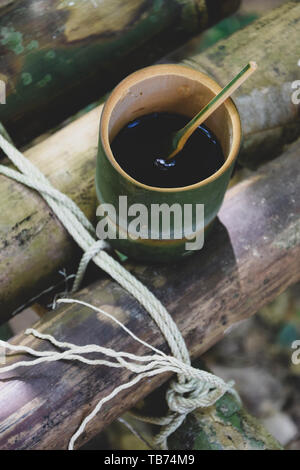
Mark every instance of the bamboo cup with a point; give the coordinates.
(171, 88)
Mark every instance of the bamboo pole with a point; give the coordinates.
(57, 57)
(269, 118)
(31, 239)
(252, 255)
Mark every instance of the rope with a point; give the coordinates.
(192, 389)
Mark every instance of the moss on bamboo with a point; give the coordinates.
(56, 57)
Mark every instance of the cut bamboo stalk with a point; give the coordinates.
(252, 255)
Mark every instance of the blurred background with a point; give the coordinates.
(256, 353)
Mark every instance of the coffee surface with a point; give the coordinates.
(141, 145)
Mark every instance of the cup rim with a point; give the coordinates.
(168, 69)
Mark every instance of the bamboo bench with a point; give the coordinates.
(252, 255)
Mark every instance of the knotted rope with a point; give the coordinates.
(192, 389)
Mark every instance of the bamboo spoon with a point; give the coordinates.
(180, 137)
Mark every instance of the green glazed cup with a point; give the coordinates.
(177, 89)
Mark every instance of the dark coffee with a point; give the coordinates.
(140, 148)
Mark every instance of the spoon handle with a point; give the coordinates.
(181, 136)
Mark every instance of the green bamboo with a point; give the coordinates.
(225, 426)
(56, 57)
